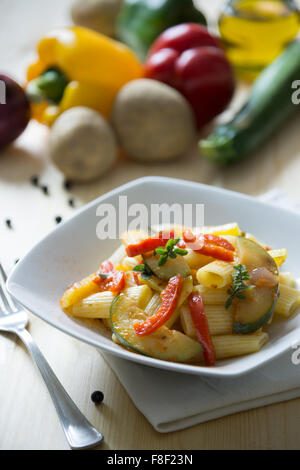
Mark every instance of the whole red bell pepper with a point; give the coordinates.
(188, 58)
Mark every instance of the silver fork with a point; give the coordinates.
(78, 430)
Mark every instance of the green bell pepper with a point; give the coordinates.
(140, 22)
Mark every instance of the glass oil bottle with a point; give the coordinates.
(255, 32)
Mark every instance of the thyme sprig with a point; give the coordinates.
(169, 251)
(238, 284)
(144, 269)
(104, 275)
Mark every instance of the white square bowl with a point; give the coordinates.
(72, 251)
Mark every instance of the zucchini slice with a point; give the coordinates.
(171, 268)
(257, 308)
(165, 344)
(154, 283)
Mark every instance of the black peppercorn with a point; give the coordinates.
(58, 219)
(67, 184)
(8, 223)
(34, 180)
(71, 202)
(97, 397)
(45, 189)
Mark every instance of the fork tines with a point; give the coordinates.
(8, 303)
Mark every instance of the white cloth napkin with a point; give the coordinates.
(172, 401)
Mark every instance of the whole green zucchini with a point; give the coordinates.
(268, 106)
(140, 22)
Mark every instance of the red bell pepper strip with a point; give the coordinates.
(149, 244)
(181, 244)
(209, 245)
(217, 252)
(197, 311)
(207, 238)
(136, 278)
(170, 298)
(114, 281)
(188, 236)
(106, 267)
(111, 280)
(218, 241)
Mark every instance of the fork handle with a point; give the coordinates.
(78, 430)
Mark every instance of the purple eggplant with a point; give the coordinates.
(14, 113)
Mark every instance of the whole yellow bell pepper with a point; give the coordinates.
(93, 68)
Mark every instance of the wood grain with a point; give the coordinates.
(27, 416)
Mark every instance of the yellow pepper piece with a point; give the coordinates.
(95, 65)
(78, 291)
(227, 229)
(279, 256)
(121, 267)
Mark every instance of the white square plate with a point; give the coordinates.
(72, 251)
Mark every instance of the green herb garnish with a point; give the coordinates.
(104, 275)
(169, 251)
(144, 269)
(238, 284)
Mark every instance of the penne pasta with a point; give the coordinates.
(220, 320)
(141, 295)
(94, 306)
(215, 274)
(287, 279)
(211, 296)
(130, 280)
(130, 263)
(153, 305)
(231, 239)
(98, 305)
(117, 257)
(178, 229)
(288, 301)
(197, 260)
(133, 236)
(187, 323)
(238, 345)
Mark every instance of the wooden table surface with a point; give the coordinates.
(27, 416)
